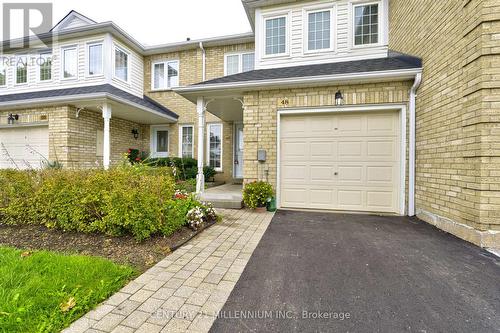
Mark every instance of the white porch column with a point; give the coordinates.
(200, 177)
(106, 114)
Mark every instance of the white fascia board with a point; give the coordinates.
(80, 98)
(314, 80)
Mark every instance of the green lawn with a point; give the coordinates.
(46, 291)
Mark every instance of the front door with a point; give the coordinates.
(238, 151)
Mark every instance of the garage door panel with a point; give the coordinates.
(341, 161)
(27, 146)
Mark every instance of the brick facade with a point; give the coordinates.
(458, 104)
(191, 64)
(260, 116)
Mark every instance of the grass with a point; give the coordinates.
(46, 291)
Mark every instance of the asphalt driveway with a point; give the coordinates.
(322, 272)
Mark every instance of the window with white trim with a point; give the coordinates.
(95, 59)
(70, 62)
(165, 74)
(239, 62)
(275, 35)
(121, 64)
(21, 70)
(159, 141)
(215, 146)
(366, 24)
(45, 67)
(319, 30)
(186, 139)
(3, 73)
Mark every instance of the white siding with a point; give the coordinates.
(297, 53)
(135, 85)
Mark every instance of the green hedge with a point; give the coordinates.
(137, 200)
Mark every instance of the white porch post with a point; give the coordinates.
(106, 114)
(200, 177)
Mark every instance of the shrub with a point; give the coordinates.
(124, 200)
(256, 194)
(209, 172)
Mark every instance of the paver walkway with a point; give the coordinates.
(186, 290)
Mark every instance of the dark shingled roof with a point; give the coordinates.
(395, 61)
(104, 88)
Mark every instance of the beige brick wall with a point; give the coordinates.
(458, 106)
(73, 141)
(260, 116)
(190, 72)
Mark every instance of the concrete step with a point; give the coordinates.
(220, 200)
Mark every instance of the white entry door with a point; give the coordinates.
(238, 151)
(24, 147)
(338, 161)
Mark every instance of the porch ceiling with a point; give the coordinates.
(227, 109)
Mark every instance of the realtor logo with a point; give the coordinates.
(26, 19)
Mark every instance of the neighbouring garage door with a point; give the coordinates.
(347, 161)
(26, 146)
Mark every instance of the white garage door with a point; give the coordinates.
(347, 161)
(26, 146)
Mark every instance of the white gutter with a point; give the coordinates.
(259, 84)
(82, 97)
(412, 157)
(203, 59)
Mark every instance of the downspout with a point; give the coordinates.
(203, 62)
(412, 156)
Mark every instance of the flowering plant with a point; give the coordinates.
(180, 194)
(195, 217)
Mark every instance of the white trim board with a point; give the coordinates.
(401, 108)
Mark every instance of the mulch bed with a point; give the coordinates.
(122, 250)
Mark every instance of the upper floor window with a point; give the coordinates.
(45, 67)
(121, 64)
(95, 59)
(275, 30)
(3, 73)
(366, 24)
(319, 30)
(70, 63)
(238, 63)
(165, 74)
(21, 70)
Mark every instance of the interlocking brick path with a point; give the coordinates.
(186, 290)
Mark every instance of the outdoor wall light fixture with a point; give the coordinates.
(135, 132)
(12, 118)
(339, 99)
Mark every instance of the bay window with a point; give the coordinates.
(165, 74)
(45, 67)
(215, 146)
(70, 62)
(95, 59)
(121, 64)
(21, 70)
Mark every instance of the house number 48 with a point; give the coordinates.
(284, 102)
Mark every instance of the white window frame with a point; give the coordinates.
(181, 128)
(15, 70)
(382, 23)
(87, 58)
(240, 60)
(62, 62)
(165, 64)
(38, 68)
(270, 16)
(221, 145)
(153, 144)
(333, 30)
(119, 48)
